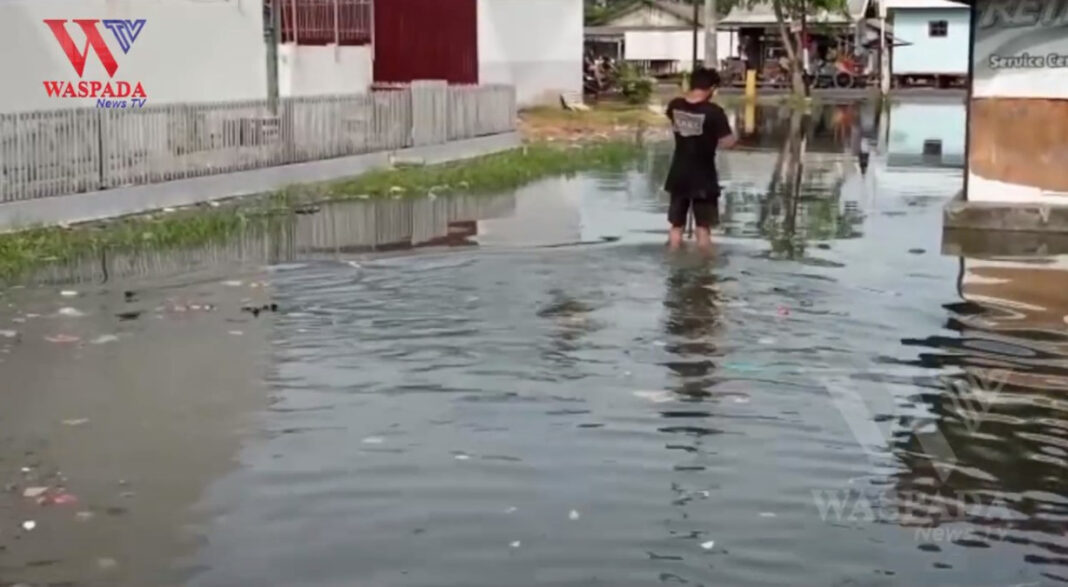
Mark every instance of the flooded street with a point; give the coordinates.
(528, 389)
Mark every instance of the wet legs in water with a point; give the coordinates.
(676, 234)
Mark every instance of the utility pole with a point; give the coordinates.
(271, 24)
(696, 26)
(884, 55)
(711, 44)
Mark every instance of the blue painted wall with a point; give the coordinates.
(928, 54)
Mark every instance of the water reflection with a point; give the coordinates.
(327, 231)
(693, 324)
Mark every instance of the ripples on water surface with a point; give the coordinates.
(827, 401)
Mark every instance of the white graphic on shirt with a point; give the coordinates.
(688, 124)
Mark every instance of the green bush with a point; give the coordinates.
(635, 87)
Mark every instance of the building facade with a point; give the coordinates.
(934, 37)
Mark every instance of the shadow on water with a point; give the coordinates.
(825, 400)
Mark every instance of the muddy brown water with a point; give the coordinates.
(539, 394)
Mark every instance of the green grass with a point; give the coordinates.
(23, 251)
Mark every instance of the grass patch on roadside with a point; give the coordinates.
(23, 251)
(599, 115)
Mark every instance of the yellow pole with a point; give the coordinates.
(750, 117)
(750, 84)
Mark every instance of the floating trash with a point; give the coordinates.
(917, 251)
(69, 293)
(27, 470)
(29, 525)
(104, 339)
(462, 457)
(767, 514)
(236, 333)
(34, 492)
(232, 283)
(62, 339)
(709, 545)
(574, 515)
(374, 440)
(64, 499)
(516, 544)
(8, 333)
(657, 397)
(741, 400)
(71, 312)
(784, 311)
(767, 340)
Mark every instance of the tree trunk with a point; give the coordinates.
(792, 43)
(711, 24)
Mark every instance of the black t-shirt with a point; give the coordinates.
(698, 129)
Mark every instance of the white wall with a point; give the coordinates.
(535, 45)
(188, 50)
(927, 54)
(674, 45)
(310, 71)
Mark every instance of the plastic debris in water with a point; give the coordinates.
(784, 311)
(71, 312)
(104, 339)
(62, 339)
(8, 333)
(657, 397)
(64, 499)
(767, 514)
(69, 293)
(463, 457)
(32, 492)
(709, 545)
(574, 515)
(767, 340)
(741, 400)
(516, 544)
(659, 343)
(236, 332)
(232, 283)
(26, 470)
(374, 440)
(29, 525)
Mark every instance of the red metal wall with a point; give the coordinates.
(426, 39)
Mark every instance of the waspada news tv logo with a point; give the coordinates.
(109, 93)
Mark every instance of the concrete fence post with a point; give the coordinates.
(430, 125)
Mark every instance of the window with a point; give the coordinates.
(937, 28)
(323, 22)
(932, 150)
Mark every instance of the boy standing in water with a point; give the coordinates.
(700, 127)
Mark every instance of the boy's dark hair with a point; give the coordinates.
(704, 79)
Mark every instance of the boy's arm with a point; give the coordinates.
(724, 137)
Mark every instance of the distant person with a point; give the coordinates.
(864, 155)
(700, 127)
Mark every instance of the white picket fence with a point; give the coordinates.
(58, 152)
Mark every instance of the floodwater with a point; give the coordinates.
(527, 389)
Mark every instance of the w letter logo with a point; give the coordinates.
(125, 32)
